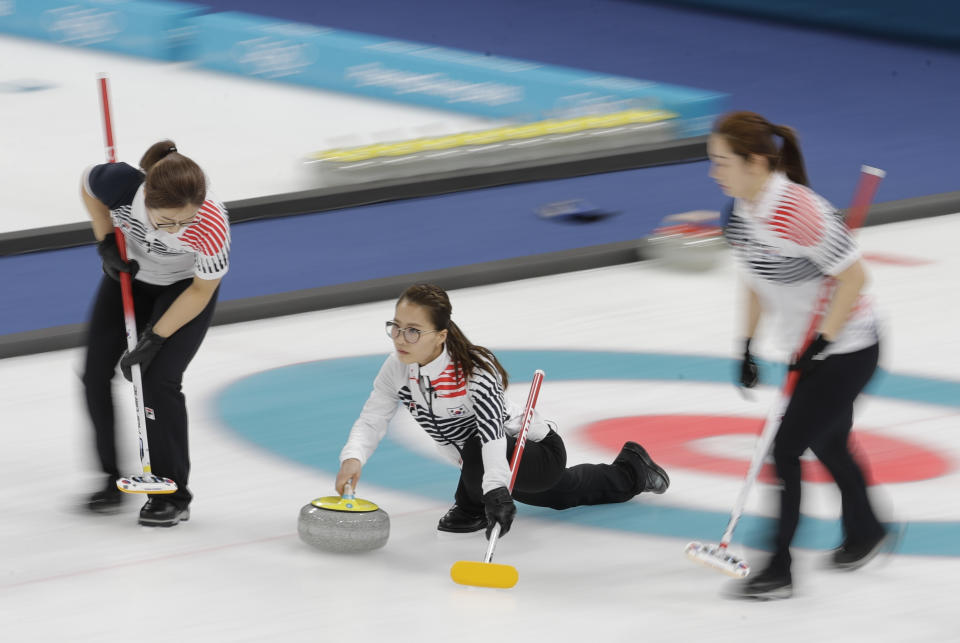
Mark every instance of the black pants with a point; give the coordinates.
(543, 479)
(819, 417)
(163, 400)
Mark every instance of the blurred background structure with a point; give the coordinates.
(363, 146)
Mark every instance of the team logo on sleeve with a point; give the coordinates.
(457, 411)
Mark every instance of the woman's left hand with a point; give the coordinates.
(816, 352)
(146, 349)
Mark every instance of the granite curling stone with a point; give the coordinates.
(343, 524)
(686, 242)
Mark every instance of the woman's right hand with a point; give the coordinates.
(349, 472)
(113, 264)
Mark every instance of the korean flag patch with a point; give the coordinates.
(457, 411)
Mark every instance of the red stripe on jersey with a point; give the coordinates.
(450, 383)
(216, 216)
(208, 236)
(797, 218)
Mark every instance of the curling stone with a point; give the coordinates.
(343, 524)
(692, 241)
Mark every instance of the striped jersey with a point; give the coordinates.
(449, 408)
(789, 240)
(200, 249)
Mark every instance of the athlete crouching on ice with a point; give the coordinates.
(455, 392)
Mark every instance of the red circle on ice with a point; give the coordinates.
(680, 441)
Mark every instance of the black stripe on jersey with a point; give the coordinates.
(441, 430)
(486, 394)
(211, 265)
(205, 264)
(838, 242)
(131, 227)
(767, 263)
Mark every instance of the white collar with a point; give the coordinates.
(771, 189)
(434, 368)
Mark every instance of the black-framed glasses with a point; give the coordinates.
(410, 335)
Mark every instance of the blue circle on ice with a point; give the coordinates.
(304, 411)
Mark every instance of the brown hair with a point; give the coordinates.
(468, 357)
(750, 133)
(173, 180)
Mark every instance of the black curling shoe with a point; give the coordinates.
(770, 584)
(851, 556)
(648, 474)
(460, 521)
(160, 512)
(108, 500)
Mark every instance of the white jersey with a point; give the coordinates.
(449, 408)
(788, 241)
(201, 249)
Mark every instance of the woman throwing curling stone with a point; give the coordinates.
(787, 240)
(455, 392)
(178, 243)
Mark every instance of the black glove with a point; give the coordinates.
(113, 265)
(499, 508)
(144, 352)
(816, 352)
(749, 371)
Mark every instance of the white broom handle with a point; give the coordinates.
(770, 427)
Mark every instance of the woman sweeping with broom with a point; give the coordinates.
(788, 240)
(455, 392)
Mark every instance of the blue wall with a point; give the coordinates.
(934, 22)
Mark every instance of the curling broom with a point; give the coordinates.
(146, 482)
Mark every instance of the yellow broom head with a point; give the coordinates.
(478, 574)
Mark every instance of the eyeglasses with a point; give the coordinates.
(169, 225)
(410, 335)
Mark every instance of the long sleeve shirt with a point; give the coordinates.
(451, 409)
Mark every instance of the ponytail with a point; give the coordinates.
(790, 160)
(173, 180)
(157, 152)
(750, 133)
(470, 357)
